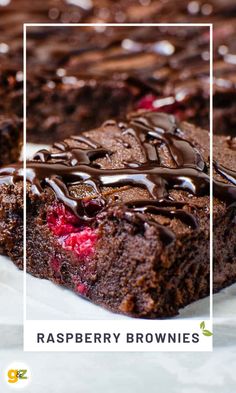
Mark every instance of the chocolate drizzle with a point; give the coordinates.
(165, 130)
(228, 174)
(69, 164)
(227, 191)
(74, 156)
(166, 208)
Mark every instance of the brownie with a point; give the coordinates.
(126, 69)
(224, 224)
(10, 139)
(65, 107)
(120, 214)
(162, 69)
(178, 82)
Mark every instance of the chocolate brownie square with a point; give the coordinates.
(120, 215)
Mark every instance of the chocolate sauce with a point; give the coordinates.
(166, 208)
(228, 174)
(73, 156)
(164, 128)
(72, 165)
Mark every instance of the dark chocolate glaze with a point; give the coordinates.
(227, 173)
(76, 165)
(165, 207)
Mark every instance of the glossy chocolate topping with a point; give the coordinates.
(228, 174)
(70, 166)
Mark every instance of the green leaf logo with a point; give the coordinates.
(205, 332)
(202, 325)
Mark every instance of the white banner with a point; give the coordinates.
(108, 335)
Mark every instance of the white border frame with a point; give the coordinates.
(210, 26)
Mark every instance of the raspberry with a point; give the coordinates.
(82, 243)
(146, 102)
(162, 104)
(71, 234)
(61, 221)
(82, 289)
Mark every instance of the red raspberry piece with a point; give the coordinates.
(82, 289)
(82, 243)
(72, 235)
(164, 104)
(61, 221)
(146, 102)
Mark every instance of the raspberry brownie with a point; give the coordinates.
(186, 56)
(120, 215)
(161, 69)
(118, 71)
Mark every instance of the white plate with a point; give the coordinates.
(46, 300)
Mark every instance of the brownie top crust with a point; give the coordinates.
(150, 165)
